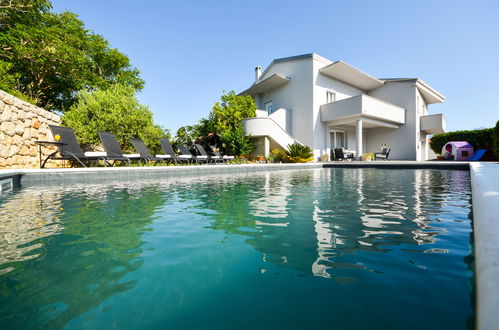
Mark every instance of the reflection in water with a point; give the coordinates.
(24, 222)
(340, 213)
(75, 271)
(66, 250)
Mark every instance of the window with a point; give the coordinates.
(330, 96)
(268, 107)
(338, 139)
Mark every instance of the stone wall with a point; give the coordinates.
(21, 125)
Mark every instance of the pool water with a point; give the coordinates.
(323, 248)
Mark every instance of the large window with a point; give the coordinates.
(338, 139)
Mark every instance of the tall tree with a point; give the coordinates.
(53, 55)
(227, 114)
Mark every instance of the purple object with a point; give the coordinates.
(457, 150)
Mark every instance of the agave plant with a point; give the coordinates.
(298, 153)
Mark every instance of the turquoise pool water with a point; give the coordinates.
(314, 249)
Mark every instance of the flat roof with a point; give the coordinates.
(348, 74)
(430, 94)
(274, 81)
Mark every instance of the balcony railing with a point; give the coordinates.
(365, 106)
(432, 124)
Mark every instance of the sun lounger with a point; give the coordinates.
(145, 155)
(204, 154)
(113, 150)
(69, 148)
(169, 153)
(225, 158)
(186, 154)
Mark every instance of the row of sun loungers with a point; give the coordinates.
(69, 149)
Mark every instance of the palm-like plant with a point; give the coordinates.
(298, 153)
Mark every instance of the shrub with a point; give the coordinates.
(495, 138)
(115, 110)
(474, 137)
(298, 153)
(236, 142)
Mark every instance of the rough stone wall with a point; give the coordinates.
(21, 125)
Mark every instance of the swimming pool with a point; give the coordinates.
(328, 248)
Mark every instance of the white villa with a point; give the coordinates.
(311, 100)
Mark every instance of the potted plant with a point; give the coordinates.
(368, 156)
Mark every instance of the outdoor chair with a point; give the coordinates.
(225, 158)
(113, 150)
(339, 154)
(69, 148)
(186, 154)
(202, 151)
(145, 155)
(168, 152)
(383, 154)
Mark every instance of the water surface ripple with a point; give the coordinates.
(324, 248)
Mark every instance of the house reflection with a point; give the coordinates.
(315, 221)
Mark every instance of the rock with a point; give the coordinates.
(21, 115)
(7, 141)
(20, 128)
(24, 151)
(27, 134)
(8, 128)
(13, 151)
(6, 113)
(18, 140)
(8, 99)
(35, 124)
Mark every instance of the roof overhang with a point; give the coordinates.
(429, 94)
(274, 81)
(348, 74)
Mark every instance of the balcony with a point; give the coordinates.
(364, 107)
(432, 124)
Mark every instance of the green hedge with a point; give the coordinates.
(495, 138)
(474, 137)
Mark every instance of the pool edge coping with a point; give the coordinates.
(485, 206)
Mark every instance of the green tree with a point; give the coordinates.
(115, 110)
(186, 135)
(227, 114)
(224, 120)
(54, 56)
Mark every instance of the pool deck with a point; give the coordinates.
(484, 186)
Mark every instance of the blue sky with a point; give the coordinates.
(190, 51)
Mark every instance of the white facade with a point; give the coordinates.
(324, 105)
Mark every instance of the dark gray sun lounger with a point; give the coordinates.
(168, 151)
(225, 158)
(204, 154)
(113, 149)
(186, 154)
(70, 149)
(145, 155)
